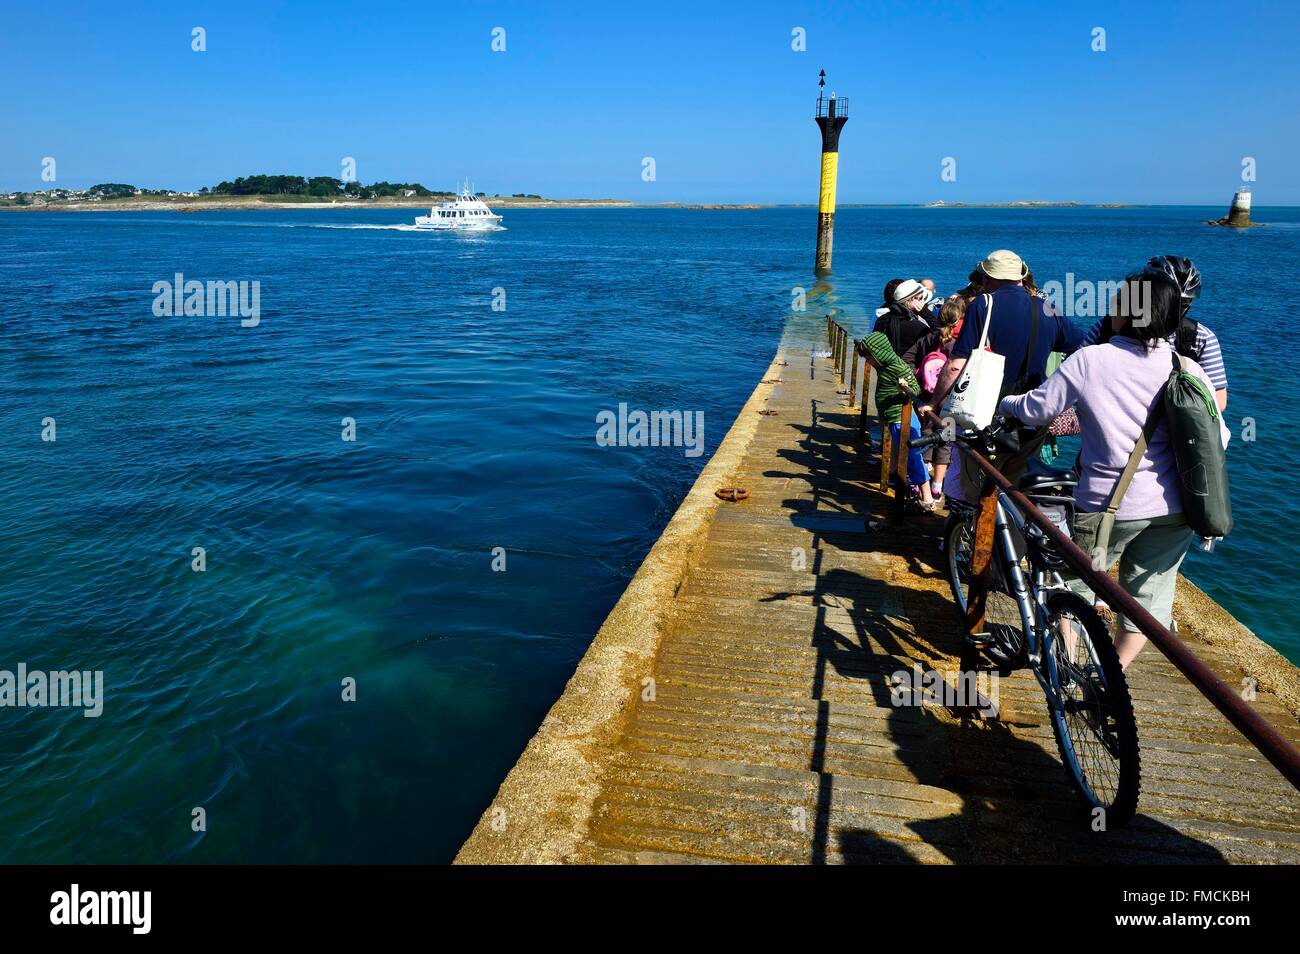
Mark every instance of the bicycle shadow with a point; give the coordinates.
(949, 787)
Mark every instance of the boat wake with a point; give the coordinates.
(323, 225)
(228, 223)
(389, 228)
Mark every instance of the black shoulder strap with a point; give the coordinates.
(1185, 338)
(1106, 333)
(1033, 336)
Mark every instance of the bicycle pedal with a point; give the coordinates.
(980, 640)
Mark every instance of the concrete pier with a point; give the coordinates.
(735, 706)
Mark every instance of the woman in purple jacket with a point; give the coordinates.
(1114, 387)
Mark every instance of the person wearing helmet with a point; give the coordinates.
(1113, 387)
(1191, 339)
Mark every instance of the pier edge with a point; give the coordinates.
(546, 799)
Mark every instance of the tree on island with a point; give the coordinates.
(113, 190)
(321, 187)
(324, 186)
(262, 185)
(394, 189)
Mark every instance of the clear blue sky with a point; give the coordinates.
(1012, 91)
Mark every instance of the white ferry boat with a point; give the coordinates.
(466, 211)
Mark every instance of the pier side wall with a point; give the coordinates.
(543, 806)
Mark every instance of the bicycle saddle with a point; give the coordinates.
(1040, 475)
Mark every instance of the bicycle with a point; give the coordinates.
(1033, 621)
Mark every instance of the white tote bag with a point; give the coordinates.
(974, 399)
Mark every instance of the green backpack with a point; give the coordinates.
(1194, 432)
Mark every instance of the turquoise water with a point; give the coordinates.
(372, 559)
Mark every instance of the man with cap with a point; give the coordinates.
(1021, 331)
(902, 323)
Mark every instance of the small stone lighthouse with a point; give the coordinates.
(1238, 216)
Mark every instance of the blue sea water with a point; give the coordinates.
(372, 559)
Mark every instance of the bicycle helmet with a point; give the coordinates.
(1181, 270)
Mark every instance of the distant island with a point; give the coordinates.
(708, 206)
(266, 192)
(1023, 205)
(319, 192)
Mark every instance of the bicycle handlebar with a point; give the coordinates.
(985, 438)
(927, 440)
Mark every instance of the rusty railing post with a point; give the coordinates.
(886, 455)
(853, 372)
(901, 451)
(866, 398)
(980, 566)
(846, 350)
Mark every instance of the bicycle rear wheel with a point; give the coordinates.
(1092, 719)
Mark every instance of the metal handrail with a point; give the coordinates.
(845, 352)
(1284, 756)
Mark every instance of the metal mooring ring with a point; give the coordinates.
(732, 494)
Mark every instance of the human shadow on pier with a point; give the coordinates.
(826, 458)
(842, 482)
(1015, 804)
(971, 791)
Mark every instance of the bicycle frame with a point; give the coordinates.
(1030, 596)
(1039, 640)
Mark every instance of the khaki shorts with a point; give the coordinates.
(1149, 552)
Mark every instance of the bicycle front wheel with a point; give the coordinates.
(1092, 717)
(1001, 612)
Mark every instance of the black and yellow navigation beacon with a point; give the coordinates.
(831, 116)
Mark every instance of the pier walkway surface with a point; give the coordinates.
(736, 706)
